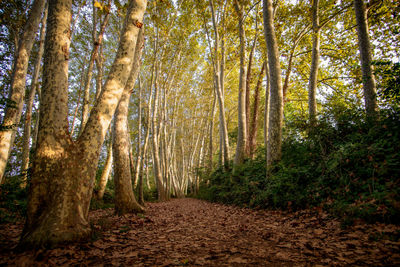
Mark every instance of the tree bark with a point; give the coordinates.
(106, 170)
(219, 84)
(312, 83)
(97, 41)
(254, 117)
(242, 130)
(266, 108)
(12, 115)
(139, 136)
(274, 148)
(211, 140)
(125, 201)
(364, 47)
(30, 99)
(64, 170)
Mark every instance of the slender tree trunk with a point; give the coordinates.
(266, 108)
(139, 136)
(274, 148)
(211, 140)
(364, 46)
(99, 77)
(219, 83)
(248, 81)
(312, 84)
(242, 130)
(254, 118)
(30, 99)
(12, 115)
(97, 41)
(63, 170)
(156, 148)
(107, 169)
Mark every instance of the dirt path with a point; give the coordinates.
(197, 233)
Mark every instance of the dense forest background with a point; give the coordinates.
(214, 113)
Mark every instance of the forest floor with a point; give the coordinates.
(191, 232)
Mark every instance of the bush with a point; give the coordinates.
(346, 164)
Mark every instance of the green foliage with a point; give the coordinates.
(388, 75)
(149, 194)
(347, 165)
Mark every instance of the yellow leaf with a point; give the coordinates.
(98, 5)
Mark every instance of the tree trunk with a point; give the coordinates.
(64, 170)
(139, 137)
(125, 201)
(30, 99)
(274, 148)
(248, 80)
(254, 118)
(312, 83)
(106, 170)
(266, 108)
(219, 83)
(211, 140)
(161, 192)
(97, 41)
(242, 131)
(12, 115)
(364, 46)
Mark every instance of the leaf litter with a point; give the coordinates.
(191, 232)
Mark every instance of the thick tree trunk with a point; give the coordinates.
(364, 46)
(242, 130)
(312, 83)
(30, 99)
(274, 148)
(12, 115)
(63, 170)
(125, 201)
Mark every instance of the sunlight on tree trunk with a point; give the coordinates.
(63, 170)
(274, 148)
(30, 99)
(125, 201)
(17, 91)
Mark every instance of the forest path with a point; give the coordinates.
(191, 232)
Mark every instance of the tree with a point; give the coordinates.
(30, 99)
(97, 41)
(64, 170)
(105, 174)
(18, 79)
(364, 46)
(274, 149)
(218, 67)
(125, 201)
(312, 85)
(242, 131)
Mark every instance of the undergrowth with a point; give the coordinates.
(345, 164)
